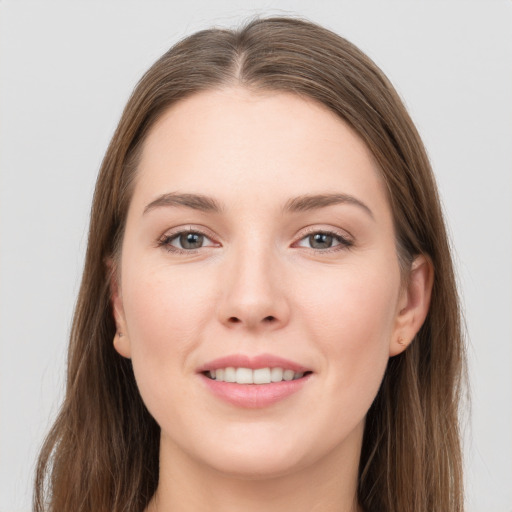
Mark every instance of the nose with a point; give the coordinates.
(254, 295)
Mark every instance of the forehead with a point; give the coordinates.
(235, 143)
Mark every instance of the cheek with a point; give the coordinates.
(164, 307)
(351, 301)
(351, 316)
(165, 311)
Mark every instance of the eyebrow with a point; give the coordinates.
(194, 201)
(302, 203)
(313, 202)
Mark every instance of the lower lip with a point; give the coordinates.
(254, 396)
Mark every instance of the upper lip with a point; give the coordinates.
(252, 362)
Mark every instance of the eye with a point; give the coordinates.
(185, 241)
(324, 240)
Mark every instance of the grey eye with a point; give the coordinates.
(184, 241)
(320, 241)
(324, 240)
(190, 240)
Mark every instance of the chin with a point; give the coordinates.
(256, 466)
(258, 454)
(247, 451)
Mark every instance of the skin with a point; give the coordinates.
(259, 286)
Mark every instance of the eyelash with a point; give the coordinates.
(165, 241)
(343, 243)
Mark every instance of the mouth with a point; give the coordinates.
(254, 381)
(257, 376)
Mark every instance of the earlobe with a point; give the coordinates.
(413, 305)
(122, 345)
(121, 341)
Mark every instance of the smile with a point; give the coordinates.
(254, 381)
(257, 376)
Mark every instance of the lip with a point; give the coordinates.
(253, 396)
(252, 362)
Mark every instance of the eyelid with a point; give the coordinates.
(173, 233)
(188, 228)
(323, 228)
(345, 239)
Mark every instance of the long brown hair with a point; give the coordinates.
(102, 452)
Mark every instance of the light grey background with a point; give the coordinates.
(66, 70)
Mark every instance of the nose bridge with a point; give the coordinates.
(253, 290)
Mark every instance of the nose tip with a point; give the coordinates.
(253, 315)
(254, 297)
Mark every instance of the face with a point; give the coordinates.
(259, 247)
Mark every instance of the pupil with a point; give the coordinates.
(191, 241)
(320, 241)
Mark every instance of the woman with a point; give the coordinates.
(268, 254)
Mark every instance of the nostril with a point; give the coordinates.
(267, 320)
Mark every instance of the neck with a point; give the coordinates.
(327, 485)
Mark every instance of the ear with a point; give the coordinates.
(121, 339)
(413, 304)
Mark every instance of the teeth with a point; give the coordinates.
(230, 374)
(276, 374)
(244, 376)
(261, 376)
(288, 374)
(258, 376)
